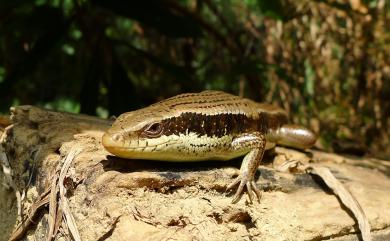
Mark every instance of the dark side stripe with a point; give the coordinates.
(221, 124)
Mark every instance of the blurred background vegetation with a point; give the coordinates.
(327, 62)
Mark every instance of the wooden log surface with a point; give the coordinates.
(118, 199)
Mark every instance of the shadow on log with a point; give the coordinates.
(109, 198)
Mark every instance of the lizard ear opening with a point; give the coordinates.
(153, 130)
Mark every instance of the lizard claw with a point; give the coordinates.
(250, 185)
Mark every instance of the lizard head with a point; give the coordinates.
(140, 134)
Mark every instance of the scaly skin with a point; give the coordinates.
(211, 125)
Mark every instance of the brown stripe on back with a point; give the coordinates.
(191, 97)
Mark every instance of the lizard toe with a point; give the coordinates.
(250, 188)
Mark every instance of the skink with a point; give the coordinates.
(210, 125)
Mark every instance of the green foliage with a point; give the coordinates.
(326, 62)
(309, 78)
(63, 104)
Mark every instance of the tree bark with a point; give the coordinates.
(110, 198)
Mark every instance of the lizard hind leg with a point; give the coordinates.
(255, 143)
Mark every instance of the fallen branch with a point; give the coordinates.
(345, 196)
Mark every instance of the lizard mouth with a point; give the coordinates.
(116, 145)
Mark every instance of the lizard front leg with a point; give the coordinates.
(256, 143)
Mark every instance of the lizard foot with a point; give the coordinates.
(251, 187)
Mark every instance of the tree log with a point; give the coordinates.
(110, 198)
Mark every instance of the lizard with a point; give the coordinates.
(210, 125)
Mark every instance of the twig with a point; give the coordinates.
(68, 217)
(53, 208)
(58, 222)
(24, 225)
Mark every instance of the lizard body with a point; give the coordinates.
(210, 125)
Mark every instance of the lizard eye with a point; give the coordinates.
(153, 130)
